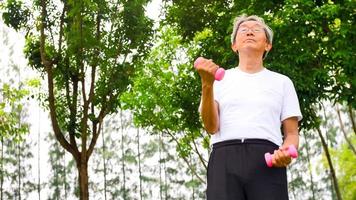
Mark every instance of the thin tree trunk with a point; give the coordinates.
(160, 166)
(19, 144)
(352, 118)
(193, 188)
(19, 169)
(123, 157)
(309, 167)
(343, 130)
(104, 161)
(139, 162)
(39, 152)
(293, 190)
(65, 175)
(57, 171)
(332, 171)
(2, 168)
(165, 173)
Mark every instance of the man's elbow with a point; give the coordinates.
(211, 129)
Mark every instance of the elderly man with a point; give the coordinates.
(244, 114)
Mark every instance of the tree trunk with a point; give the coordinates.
(104, 162)
(83, 180)
(123, 158)
(139, 162)
(309, 167)
(19, 168)
(332, 171)
(352, 118)
(165, 173)
(57, 171)
(193, 188)
(39, 152)
(293, 187)
(65, 175)
(1, 168)
(344, 131)
(160, 166)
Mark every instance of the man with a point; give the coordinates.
(244, 113)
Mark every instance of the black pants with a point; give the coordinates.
(237, 171)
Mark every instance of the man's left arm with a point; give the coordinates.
(291, 137)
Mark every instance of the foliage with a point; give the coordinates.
(88, 51)
(17, 14)
(345, 160)
(93, 36)
(10, 112)
(170, 104)
(310, 46)
(311, 43)
(15, 169)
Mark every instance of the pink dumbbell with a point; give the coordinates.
(219, 74)
(292, 152)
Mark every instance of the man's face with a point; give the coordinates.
(251, 36)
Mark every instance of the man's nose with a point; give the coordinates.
(249, 32)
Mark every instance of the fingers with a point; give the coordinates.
(281, 158)
(206, 69)
(207, 66)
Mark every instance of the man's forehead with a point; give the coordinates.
(251, 23)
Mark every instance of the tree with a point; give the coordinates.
(87, 52)
(15, 149)
(170, 105)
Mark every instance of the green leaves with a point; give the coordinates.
(162, 93)
(311, 45)
(10, 112)
(85, 42)
(344, 159)
(16, 15)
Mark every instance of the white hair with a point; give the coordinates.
(244, 18)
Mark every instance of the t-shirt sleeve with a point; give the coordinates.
(290, 105)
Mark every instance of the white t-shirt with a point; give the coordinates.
(254, 105)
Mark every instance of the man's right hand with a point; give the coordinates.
(206, 69)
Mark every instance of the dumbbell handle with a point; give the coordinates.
(291, 151)
(219, 74)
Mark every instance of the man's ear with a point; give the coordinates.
(268, 47)
(234, 47)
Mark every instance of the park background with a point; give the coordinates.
(115, 80)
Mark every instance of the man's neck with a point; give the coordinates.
(250, 63)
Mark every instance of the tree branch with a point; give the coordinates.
(331, 167)
(352, 118)
(343, 130)
(49, 67)
(94, 140)
(96, 132)
(202, 160)
(59, 54)
(184, 158)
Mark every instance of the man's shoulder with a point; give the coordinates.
(277, 75)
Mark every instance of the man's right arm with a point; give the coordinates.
(209, 109)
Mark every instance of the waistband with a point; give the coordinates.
(243, 141)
